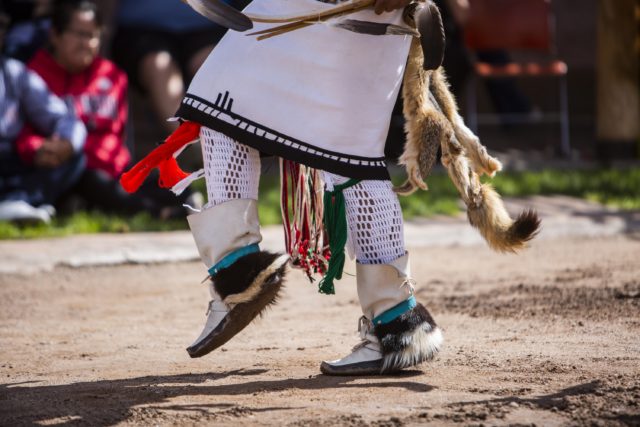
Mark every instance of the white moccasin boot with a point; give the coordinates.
(400, 333)
(243, 280)
(364, 359)
(216, 312)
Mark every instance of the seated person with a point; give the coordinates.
(29, 27)
(97, 91)
(27, 191)
(161, 44)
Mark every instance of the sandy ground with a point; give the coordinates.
(550, 337)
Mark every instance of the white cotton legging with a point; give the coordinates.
(374, 218)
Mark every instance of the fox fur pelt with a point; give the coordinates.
(432, 121)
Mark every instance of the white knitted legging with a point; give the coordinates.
(374, 218)
(232, 170)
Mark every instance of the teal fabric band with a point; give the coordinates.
(228, 260)
(395, 311)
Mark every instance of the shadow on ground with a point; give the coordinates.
(585, 403)
(111, 401)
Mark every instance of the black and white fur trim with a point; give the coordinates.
(247, 288)
(243, 281)
(410, 339)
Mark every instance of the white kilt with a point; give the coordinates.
(321, 96)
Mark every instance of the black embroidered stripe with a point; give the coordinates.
(219, 117)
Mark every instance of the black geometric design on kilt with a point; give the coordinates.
(220, 117)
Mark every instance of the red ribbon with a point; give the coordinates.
(162, 158)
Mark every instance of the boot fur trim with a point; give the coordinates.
(266, 277)
(409, 339)
(242, 281)
(247, 287)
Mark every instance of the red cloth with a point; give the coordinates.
(99, 97)
(162, 157)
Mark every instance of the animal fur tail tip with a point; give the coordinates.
(526, 226)
(502, 233)
(521, 231)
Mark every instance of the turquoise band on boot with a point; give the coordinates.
(228, 260)
(395, 311)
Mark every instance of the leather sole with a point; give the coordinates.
(235, 321)
(372, 367)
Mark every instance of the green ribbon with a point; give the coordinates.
(335, 222)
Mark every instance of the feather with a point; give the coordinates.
(321, 14)
(221, 13)
(374, 28)
(426, 18)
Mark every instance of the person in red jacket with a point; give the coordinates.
(96, 89)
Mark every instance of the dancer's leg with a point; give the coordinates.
(232, 170)
(244, 280)
(396, 330)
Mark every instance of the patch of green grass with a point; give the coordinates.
(88, 223)
(269, 210)
(441, 198)
(617, 188)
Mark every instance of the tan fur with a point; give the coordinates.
(480, 160)
(424, 125)
(432, 120)
(485, 208)
(254, 288)
(501, 232)
(439, 87)
(493, 221)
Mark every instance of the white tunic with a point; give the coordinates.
(321, 95)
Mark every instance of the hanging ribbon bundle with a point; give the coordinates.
(302, 210)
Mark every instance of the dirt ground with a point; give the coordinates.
(549, 337)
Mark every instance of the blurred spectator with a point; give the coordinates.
(27, 191)
(92, 85)
(97, 91)
(29, 28)
(161, 44)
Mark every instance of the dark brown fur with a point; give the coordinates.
(249, 286)
(237, 278)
